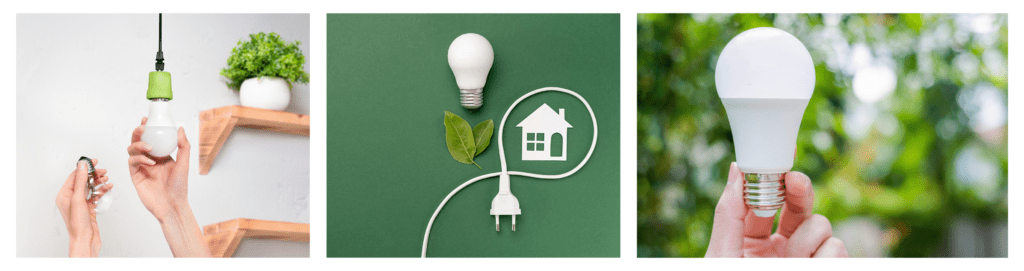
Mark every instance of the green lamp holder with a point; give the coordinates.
(159, 80)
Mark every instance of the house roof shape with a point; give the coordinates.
(544, 116)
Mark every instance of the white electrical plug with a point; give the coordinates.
(504, 203)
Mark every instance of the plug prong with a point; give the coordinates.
(513, 222)
(497, 224)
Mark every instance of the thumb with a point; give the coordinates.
(799, 203)
(727, 230)
(81, 182)
(184, 150)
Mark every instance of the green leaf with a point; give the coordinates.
(482, 133)
(913, 21)
(459, 138)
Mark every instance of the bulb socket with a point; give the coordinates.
(472, 98)
(159, 86)
(764, 193)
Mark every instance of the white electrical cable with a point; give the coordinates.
(501, 154)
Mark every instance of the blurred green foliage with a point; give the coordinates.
(894, 174)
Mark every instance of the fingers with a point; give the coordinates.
(832, 248)
(138, 160)
(69, 183)
(809, 236)
(137, 133)
(138, 148)
(137, 153)
(67, 191)
(727, 230)
(101, 182)
(102, 192)
(799, 203)
(756, 226)
(184, 149)
(64, 195)
(81, 183)
(183, 145)
(101, 185)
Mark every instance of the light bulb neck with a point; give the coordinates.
(764, 193)
(472, 98)
(159, 113)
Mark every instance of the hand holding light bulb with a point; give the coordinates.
(739, 232)
(79, 210)
(162, 184)
(470, 57)
(765, 77)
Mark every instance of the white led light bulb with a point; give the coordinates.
(765, 77)
(470, 57)
(160, 132)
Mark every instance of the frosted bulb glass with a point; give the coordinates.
(470, 57)
(765, 77)
(160, 132)
(104, 203)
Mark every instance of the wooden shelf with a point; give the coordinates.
(217, 124)
(223, 238)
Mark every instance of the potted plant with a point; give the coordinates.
(263, 68)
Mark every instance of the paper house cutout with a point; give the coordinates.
(545, 135)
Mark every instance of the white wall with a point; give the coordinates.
(81, 89)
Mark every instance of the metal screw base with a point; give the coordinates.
(472, 98)
(93, 188)
(764, 193)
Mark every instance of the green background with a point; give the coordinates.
(388, 167)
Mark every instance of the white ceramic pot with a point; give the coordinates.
(265, 92)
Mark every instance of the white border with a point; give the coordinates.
(628, 11)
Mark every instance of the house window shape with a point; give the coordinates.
(535, 141)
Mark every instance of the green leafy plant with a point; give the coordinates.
(265, 55)
(464, 143)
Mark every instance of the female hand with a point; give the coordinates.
(737, 232)
(78, 213)
(162, 182)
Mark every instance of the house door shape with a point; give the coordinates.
(556, 145)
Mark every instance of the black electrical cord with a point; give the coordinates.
(160, 44)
